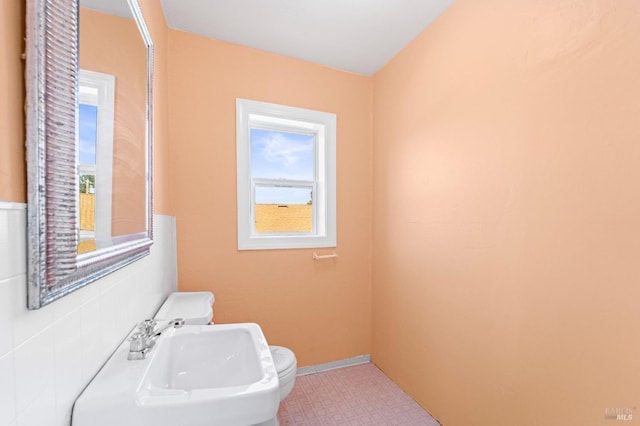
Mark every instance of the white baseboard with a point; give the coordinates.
(312, 369)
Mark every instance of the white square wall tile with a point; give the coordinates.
(26, 323)
(41, 411)
(5, 230)
(165, 260)
(13, 241)
(8, 290)
(72, 301)
(91, 336)
(34, 368)
(69, 351)
(114, 319)
(7, 390)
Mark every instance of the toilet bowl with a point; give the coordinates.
(197, 308)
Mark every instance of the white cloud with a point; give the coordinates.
(278, 148)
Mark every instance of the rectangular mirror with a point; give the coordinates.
(89, 138)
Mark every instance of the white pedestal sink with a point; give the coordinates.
(195, 375)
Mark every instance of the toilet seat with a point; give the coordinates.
(286, 366)
(283, 358)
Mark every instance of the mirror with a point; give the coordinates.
(89, 111)
(111, 116)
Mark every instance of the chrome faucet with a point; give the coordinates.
(154, 334)
(142, 340)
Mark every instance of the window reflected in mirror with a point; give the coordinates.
(95, 159)
(87, 124)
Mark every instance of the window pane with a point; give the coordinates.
(87, 205)
(282, 155)
(282, 209)
(87, 183)
(88, 117)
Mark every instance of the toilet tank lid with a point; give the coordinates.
(194, 307)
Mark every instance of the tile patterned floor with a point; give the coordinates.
(360, 395)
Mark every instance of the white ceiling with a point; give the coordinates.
(352, 35)
(112, 7)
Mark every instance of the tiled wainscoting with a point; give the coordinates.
(49, 355)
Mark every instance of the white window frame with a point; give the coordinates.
(98, 89)
(253, 114)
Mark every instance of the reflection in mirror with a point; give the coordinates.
(112, 183)
(95, 159)
(89, 138)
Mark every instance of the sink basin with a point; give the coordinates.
(195, 375)
(221, 359)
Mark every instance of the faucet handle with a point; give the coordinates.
(137, 342)
(147, 327)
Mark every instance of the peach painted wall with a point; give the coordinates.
(320, 309)
(12, 153)
(506, 213)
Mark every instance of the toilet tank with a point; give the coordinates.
(196, 308)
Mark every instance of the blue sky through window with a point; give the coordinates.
(282, 155)
(88, 119)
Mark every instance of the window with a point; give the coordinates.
(95, 159)
(286, 176)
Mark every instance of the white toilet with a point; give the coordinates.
(286, 366)
(196, 308)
